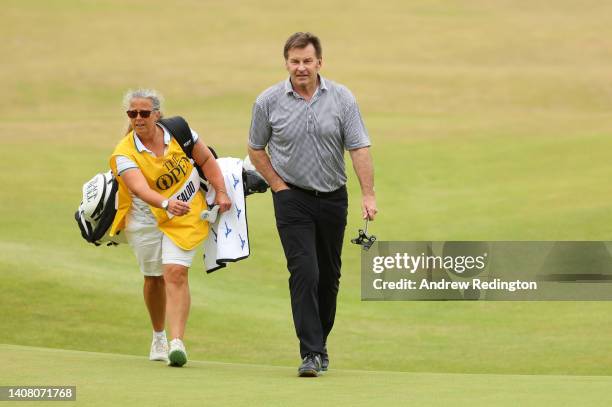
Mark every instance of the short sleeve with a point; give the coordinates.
(354, 132)
(124, 163)
(260, 131)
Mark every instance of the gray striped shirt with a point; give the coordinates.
(306, 140)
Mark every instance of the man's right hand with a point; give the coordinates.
(261, 162)
(281, 186)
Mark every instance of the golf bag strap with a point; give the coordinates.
(179, 128)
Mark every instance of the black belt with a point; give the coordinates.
(317, 193)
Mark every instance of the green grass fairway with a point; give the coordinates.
(490, 120)
(111, 379)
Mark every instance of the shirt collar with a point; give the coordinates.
(322, 83)
(289, 87)
(141, 147)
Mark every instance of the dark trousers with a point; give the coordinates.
(311, 229)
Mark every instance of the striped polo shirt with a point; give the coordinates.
(306, 139)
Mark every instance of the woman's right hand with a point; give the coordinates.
(178, 208)
(137, 184)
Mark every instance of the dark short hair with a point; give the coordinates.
(301, 40)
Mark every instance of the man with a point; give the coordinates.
(307, 121)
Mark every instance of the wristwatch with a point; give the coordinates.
(165, 204)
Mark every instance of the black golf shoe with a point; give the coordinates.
(324, 360)
(311, 365)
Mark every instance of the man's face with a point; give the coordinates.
(303, 66)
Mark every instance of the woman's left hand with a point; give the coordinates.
(223, 201)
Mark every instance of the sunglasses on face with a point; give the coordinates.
(132, 114)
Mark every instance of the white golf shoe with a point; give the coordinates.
(178, 355)
(159, 349)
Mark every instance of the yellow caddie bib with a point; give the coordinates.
(173, 176)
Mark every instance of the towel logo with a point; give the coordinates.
(242, 241)
(227, 230)
(236, 181)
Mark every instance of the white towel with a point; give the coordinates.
(228, 239)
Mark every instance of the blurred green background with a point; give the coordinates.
(490, 120)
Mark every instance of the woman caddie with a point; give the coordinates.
(159, 210)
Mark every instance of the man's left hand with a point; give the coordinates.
(368, 207)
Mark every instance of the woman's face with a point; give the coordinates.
(143, 126)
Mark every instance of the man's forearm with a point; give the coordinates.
(261, 161)
(364, 169)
